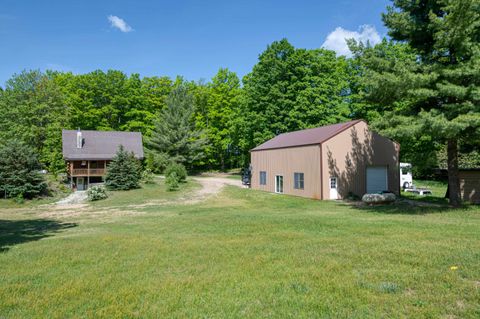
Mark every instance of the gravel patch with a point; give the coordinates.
(77, 197)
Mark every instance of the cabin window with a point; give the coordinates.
(298, 181)
(263, 178)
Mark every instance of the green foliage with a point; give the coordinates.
(19, 171)
(148, 177)
(123, 172)
(157, 162)
(200, 124)
(383, 78)
(172, 181)
(217, 106)
(32, 110)
(465, 159)
(175, 134)
(96, 193)
(291, 89)
(179, 170)
(428, 91)
(113, 101)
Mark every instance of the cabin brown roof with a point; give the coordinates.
(100, 145)
(310, 136)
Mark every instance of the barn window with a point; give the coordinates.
(298, 180)
(263, 178)
(333, 183)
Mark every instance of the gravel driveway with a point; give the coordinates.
(77, 197)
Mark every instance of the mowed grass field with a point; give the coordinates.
(241, 254)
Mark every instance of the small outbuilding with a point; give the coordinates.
(328, 162)
(470, 185)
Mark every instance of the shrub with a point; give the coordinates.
(179, 170)
(96, 193)
(19, 199)
(148, 177)
(123, 172)
(352, 196)
(172, 182)
(19, 172)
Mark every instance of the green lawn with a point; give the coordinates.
(242, 254)
(148, 193)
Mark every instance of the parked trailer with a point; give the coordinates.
(406, 177)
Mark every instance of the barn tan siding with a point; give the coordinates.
(347, 155)
(285, 162)
(470, 186)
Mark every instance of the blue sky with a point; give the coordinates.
(189, 38)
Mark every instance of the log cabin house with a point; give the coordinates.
(87, 153)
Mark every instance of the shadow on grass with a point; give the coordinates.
(406, 207)
(14, 232)
(426, 199)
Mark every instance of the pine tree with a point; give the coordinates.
(123, 172)
(19, 171)
(440, 89)
(175, 134)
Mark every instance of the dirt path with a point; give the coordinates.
(211, 186)
(76, 204)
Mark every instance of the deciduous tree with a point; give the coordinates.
(291, 89)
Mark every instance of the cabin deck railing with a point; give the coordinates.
(88, 172)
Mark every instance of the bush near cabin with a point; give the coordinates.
(96, 193)
(123, 172)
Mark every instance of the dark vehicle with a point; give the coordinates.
(246, 176)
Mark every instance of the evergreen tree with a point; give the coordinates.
(19, 171)
(381, 84)
(175, 133)
(444, 101)
(123, 172)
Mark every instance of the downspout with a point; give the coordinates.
(321, 172)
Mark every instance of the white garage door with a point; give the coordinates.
(376, 179)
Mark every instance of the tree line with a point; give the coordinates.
(420, 87)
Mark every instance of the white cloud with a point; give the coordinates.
(119, 23)
(336, 40)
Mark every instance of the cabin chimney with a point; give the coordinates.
(79, 139)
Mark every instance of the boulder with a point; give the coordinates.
(379, 198)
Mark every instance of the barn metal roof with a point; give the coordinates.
(310, 136)
(100, 145)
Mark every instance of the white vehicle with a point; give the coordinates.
(406, 178)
